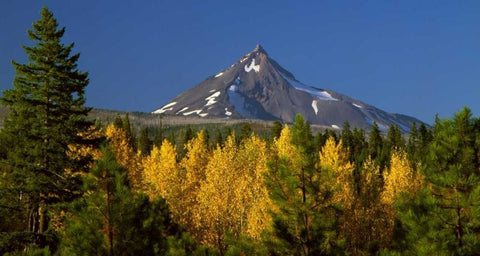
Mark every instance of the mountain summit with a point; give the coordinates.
(256, 86)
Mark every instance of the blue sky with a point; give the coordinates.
(417, 58)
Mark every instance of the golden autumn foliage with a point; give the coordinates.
(365, 222)
(80, 151)
(334, 157)
(400, 178)
(125, 155)
(193, 168)
(283, 145)
(161, 173)
(233, 196)
(210, 193)
(253, 157)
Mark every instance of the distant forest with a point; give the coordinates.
(71, 185)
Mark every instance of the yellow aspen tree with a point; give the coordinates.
(334, 157)
(256, 203)
(366, 224)
(400, 178)
(218, 205)
(233, 197)
(161, 175)
(125, 155)
(283, 145)
(193, 168)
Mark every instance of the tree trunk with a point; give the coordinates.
(42, 221)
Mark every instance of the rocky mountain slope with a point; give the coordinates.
(257, 87)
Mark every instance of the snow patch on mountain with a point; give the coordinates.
(167, 107)
(320, 94)
(334, 126)
(219, 74)
(238, 101)
(183, 109)
(252, 66)
(228, 113)
(197, 111)
(314, 106)
(203, 114)
(357, 105)
(212, 99)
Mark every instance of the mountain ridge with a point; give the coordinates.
(257, 86)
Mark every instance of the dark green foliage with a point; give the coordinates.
(319, 140)
(47, 114)
(426, 136)
(144, 143)
(449, 210)
(127, 127)
(395, 139)
(375, 142)
(245, 131)
(186, 135)
(158, 137)
(118, 123)
(111, 220)
(218, 139)
(413, 143)
(303, 225)
(359, 151)
(276, 129)
(227, 131)
(347, 137)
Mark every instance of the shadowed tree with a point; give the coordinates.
(47, 114)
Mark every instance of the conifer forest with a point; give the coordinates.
(73, 186)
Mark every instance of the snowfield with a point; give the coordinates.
(314, 106)
(167, 107)
(212, 99)
(252, 66)
(320, 94)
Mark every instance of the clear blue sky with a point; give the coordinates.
(411, 57)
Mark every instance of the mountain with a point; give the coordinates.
(257, 87)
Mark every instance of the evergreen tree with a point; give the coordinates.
(413, 143)
(347, 137)
(319, 140)
(47, 114)
(158, 138)
(112, 220)
(426, 136)
(245, 131)
(218, 141)
(449, 209)
(118, 123)
(127, 127)
(376, 147)
(395, 139)
(303, 217)
(144, 142)
(375, 142)
(276, 129)
(186, 135)
(359, 151)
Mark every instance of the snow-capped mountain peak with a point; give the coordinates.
(256, 86)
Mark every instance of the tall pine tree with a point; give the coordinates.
(47, 114)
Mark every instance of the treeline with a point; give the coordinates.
(291, 193)
(72, 187)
